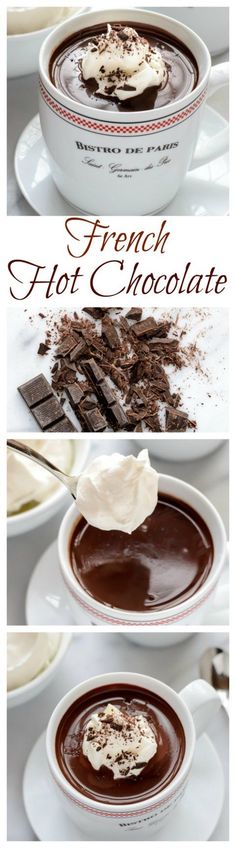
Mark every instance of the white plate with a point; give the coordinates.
(204, 192)
(46, 601)
(195, 818)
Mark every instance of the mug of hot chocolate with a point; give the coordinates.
(120, 109)
(120, 749)
(139, 548)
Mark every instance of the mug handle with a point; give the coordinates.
(203, 703)
(218, 145)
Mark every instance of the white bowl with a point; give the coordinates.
(211, 24)
(24, 693)
(180, 450)
(23, 50)
(31, 518)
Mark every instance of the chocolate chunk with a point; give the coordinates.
(178, 420)
(89, 402)
(48, 412)
(66, 345)
(94, 420)
(134, 314)
(93, 371)
(94, 311)
(167, 345)
(35, 390)
(106, 393)
(118, 417)
(75, 394)
(43, 349)
(143, 329)
(153, 423)
(81, 349)
(110, 334)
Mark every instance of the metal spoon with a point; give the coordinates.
(214, 667)
(67, 480)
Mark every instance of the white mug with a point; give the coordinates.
(195, 706)
(134, 163)
(86, 609)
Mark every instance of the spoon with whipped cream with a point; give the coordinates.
(114, 492)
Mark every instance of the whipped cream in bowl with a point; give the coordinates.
(32, 661)
(33, 494)
(123, 63)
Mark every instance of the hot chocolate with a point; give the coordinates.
(162, 563)
(119, 744)
(123, 67)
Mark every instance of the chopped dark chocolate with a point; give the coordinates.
(106, 393)
(110, 334)
(118, 416)
(43, 349)
(94, 420)
(93, 371)
(146, 328)
(134, 314)
(75, 394)
(67, 344)
(81, 349)
(178, 420)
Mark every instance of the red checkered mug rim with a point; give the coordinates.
(96, 125)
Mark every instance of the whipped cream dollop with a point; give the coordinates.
(28, 654)
(21, 19)
(28, 483)
(122, 741)
(123, 63)
(117, 492)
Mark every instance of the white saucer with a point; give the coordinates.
(195, 818)
(205, 190)
(46, 601)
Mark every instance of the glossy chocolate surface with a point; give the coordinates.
(65, 71)
(160, 564)
(101, 785)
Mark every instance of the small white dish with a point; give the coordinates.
(212, 24)
(195, 818)
(46, 599)
(180, 450)
(204, 192)
(23, 50)
(31, 518)
(19, 696)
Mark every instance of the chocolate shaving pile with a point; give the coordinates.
(114, 374)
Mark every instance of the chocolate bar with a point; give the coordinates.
(44, 405)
